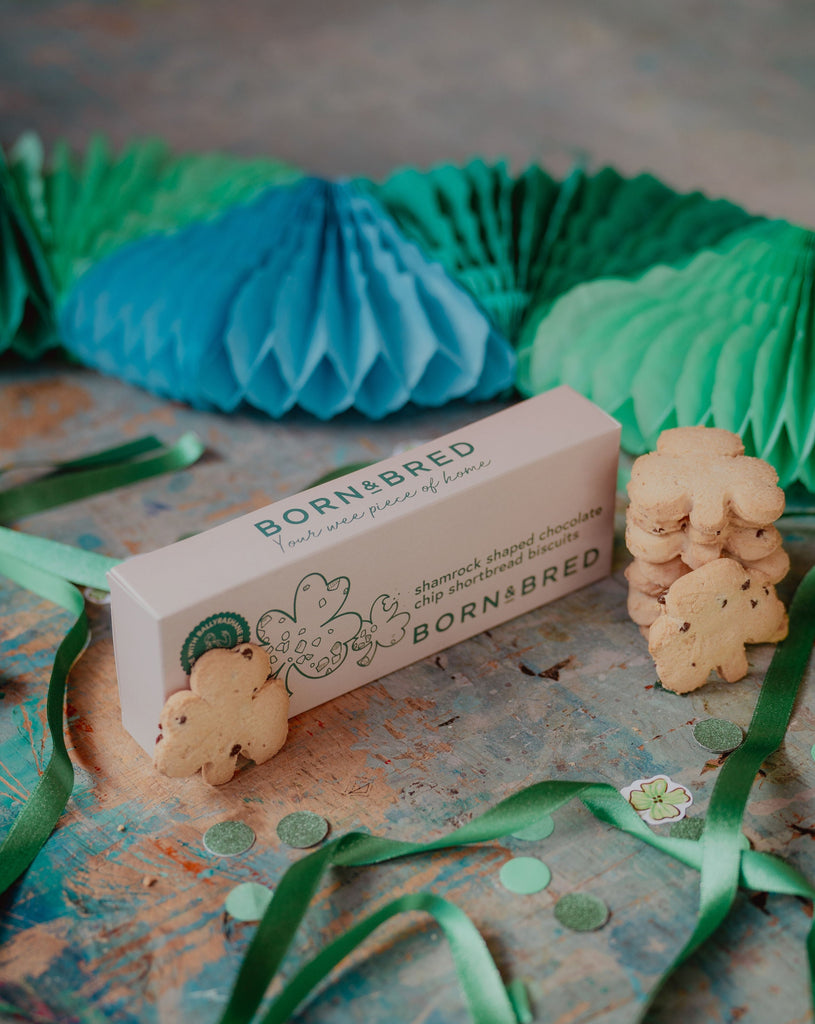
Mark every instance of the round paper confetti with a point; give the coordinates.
(581, 912)
(688, 828)
(812, 752)
(541, 829)
(228, 838)
(248, 901)
(525, 875)
(718, 735)
(302, 829)
(692, 828)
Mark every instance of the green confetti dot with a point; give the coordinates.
(248, 901)
(718, 735)
(525, 875)
(229, 838)
(302, 829)
(692, 828)
(688, 828)
(581, 912)
(812, 752)
(541, 829)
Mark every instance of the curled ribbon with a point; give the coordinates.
(51, 570)
(718, 856)
(94, 474)
(40, 813)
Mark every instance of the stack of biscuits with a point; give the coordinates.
(701, 512)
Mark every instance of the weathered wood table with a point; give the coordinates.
(121, 917)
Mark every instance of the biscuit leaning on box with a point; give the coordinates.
(706, 555)
(233, 706)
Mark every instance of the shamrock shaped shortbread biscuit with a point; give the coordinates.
(648, 582)
(760, 548)
(747, 544)
(234, 706)
(701, 474)
(707, 617)
(654, 578)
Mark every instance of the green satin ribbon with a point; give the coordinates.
(94, 474)
(128, 450)
(40, 813)
(84, 567)
(483, 990)
(51, 570)
(719, 858)
(722, 862)
(721, 850)
(335, 474)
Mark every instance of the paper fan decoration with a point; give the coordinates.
(57, 222)
(308, 295)
(104, 201)
(725, 340)
(26, 290)
(487, 228)
(606, 225)
(220, 281)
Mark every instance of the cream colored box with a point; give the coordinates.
(356, 578)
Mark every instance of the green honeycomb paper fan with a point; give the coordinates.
(27, 319)
(725, 340)
(612, 226)
(103, 201)
(484, 225)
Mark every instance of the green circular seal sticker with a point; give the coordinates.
(224, 629)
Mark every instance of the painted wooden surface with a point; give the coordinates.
(717, 97)
(122, 917)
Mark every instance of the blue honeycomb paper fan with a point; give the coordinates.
(309, 295)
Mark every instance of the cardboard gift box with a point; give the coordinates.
(356, 578)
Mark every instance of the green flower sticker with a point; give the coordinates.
(658, 799)
(314, 639)
(384, 628)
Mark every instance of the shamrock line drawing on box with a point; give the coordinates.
(384, 627)
(316, 637)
